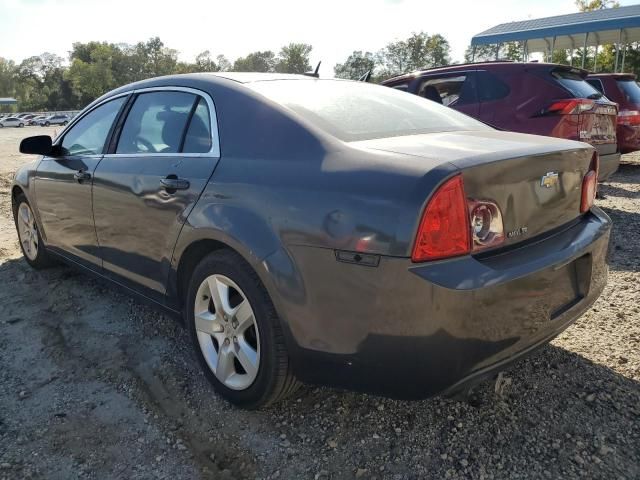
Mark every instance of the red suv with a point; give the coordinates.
(622, 89)
(538, 98)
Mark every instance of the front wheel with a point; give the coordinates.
(64, 124)
(21, 125)
(29, 236)
(236, 332)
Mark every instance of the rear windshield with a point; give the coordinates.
(630, 90)
(354, 111)
(575, 84)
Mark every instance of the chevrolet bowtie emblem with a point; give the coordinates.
(549, 179)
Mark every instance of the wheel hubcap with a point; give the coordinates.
(227, 332)
(27, 231)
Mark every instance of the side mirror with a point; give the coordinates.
(38, 145)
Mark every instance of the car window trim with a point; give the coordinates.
(214, 151)
(196, 101)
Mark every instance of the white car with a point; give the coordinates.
(54, 120)
(12, 122)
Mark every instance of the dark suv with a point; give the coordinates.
(622, 89)
(538, 98)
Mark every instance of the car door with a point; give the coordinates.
(63, 185)
(159, 162)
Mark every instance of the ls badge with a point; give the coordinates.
(549, 179)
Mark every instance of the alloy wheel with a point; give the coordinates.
(227, 332)
(28, 231)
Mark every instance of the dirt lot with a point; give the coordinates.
(96, 385)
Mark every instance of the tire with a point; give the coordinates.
(64, 124)
(46, 124)
(274, 378)
(40, 259)
(21, 125)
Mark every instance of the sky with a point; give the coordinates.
(235, 28)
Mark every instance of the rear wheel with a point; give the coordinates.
(21, 125)
(46, 124)
(29, 236)
(64, 123)
(236, 333)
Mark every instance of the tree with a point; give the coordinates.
(224, 65)
(256, 62)
(420, 50)
(590, 5)
(356, 65)
(204, 62)
(294, 58)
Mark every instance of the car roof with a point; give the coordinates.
(249, 77)
(484, 65)
(621, 76)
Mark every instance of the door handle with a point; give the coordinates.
(171, 183)
(81, 175)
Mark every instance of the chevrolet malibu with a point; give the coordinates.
(321, 231)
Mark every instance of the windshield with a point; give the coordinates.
(575, 84)
(354, 111)
(630, 90)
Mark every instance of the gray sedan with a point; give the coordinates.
(321, 231)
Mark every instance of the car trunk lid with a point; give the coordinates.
(535, 181)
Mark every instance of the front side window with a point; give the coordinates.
(449, 91)
(156, 123)
(89, 135)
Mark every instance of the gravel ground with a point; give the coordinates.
(96, 385)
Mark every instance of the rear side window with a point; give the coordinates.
(630, 90)
(401, 86)
(597, 84)
(490, 87)
(156, 123)
(198, 137)
(575, 84)
(89, 135)
(451, 90)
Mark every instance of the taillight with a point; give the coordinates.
(569, 106)
(453, 225)
(629, 117)
(590, 185)
(444, 228)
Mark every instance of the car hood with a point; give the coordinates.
(467, 148)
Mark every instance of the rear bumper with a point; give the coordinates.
(628, 138)
(608, 165)
(410, 331)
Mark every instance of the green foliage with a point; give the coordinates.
(356, 65)
(294, 58)
(420, 50)
(256, 62)
(590, 5)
